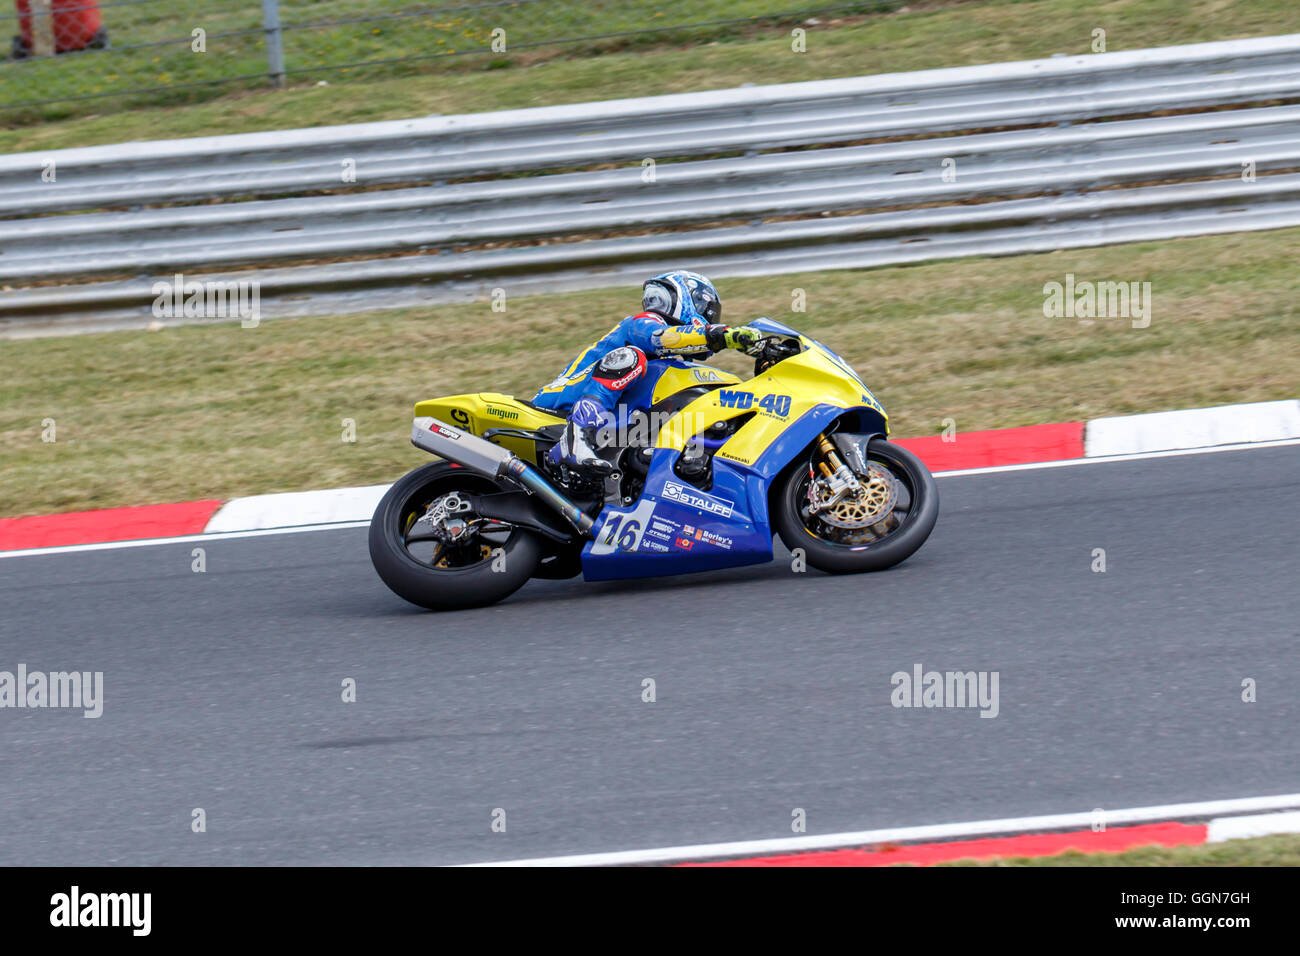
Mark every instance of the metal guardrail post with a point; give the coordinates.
(274, 41)
(42, 26)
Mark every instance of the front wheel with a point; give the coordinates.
(883, 523)
(431, 549)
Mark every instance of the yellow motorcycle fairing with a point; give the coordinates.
(477, 412)
(683, 375)
(777, 398)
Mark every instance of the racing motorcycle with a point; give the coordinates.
(700, 481)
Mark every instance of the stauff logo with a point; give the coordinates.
(697, 499)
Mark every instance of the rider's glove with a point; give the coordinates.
(739, 337)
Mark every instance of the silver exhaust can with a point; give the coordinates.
(438, 438)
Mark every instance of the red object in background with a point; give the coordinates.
(75, 23)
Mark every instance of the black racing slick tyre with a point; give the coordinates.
(895, 537)
(429, 573)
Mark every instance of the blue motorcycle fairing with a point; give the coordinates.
(676, 528)
(803, 430)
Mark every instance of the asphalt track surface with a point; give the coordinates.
(222, 689)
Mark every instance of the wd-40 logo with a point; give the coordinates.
(773, 404)
(675, 491)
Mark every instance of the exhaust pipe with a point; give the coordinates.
(437, 438)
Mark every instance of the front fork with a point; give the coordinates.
(839, 477)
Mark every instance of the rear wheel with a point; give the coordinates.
(884, 523)
(430, 549)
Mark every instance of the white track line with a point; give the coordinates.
(991, 470)
(1192, 428)
(1261, 824)
(1136, 456)
(182, 539)
(1060, 821)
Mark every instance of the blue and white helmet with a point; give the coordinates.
(681, 298)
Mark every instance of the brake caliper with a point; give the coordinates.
(443, 517)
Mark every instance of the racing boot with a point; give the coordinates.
(575, 452)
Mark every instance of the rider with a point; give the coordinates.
(680, 319)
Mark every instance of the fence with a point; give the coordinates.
(177, 51)
(504, 198)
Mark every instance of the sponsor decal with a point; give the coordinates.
(681, 340)
(502, 413)
(706, 375)
(445, 432)
(778, 406)
(734, 457)
(684, 543)
(568, 378)
(702, 501)
(460, 417)
(708, 537)
(717, 540)
(622, 382)
(664, 524)
(652, 545)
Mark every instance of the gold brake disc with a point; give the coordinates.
(869, 506)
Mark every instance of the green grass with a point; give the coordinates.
(931, 34)
(1259, 851)
(215, 411)
(356, 40)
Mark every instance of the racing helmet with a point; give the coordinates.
(681, 297)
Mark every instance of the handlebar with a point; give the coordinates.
(774, 349)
